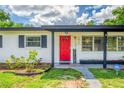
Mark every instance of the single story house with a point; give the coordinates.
(65, 43)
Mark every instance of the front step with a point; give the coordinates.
(64, 62)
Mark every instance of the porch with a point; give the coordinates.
(78, 29)
(85, 66)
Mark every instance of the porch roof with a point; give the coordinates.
(70, 28)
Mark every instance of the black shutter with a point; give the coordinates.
(44, 41)
(21, 41)
(1, 41)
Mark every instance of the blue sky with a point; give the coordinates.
(38, 15)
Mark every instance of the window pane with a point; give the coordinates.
(121, 43)
(33, 44)
(33, 38)
(98, 43)
(33, 41)
(111, 45)
(87, 43)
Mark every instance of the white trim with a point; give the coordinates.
(101, 37)
(93, 43)
(117, 43)
(82, 43)
(31, 36)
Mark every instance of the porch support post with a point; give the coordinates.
(105, 51)
(52, 48)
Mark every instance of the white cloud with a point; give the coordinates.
(47, 15)
(83, 19)
(105, 13)
(61, 15)
(97, 17)
(27, 10)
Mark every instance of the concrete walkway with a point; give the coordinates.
(92, 81)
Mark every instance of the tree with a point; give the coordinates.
(4, 16)
(90, 22)
(119, 17)
(5, 20)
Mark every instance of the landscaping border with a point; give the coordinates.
(32, 73)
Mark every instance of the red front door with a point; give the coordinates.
(65, 49)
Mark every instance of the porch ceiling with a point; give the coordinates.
(69, 28)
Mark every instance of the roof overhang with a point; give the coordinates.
(70, 28)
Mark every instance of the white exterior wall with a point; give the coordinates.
(10, 46)
(86, 55)
(76, 44)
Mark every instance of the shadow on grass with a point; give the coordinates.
(107, 73)
(8, 72)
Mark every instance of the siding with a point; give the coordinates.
(11, 46)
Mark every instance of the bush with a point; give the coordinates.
(31, 60)
(9, 64)
(14, 63)
(28, 63)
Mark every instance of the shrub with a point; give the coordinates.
(9, 64)
(16, 61)
(32, 55)
(28, 63)
(20, 62)
(31, 61)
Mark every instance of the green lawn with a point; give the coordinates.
(108, 78)
(54, 78)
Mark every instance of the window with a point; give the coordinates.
(121, 43)
(111, 45)
(98, 43)
(86, 43)
(33, 41)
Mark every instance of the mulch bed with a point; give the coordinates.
(43, 67)
(31, 73)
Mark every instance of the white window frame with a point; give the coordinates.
(32, 46)
(94, 43)
(117, 48)
(118, 43)
(82, 42)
